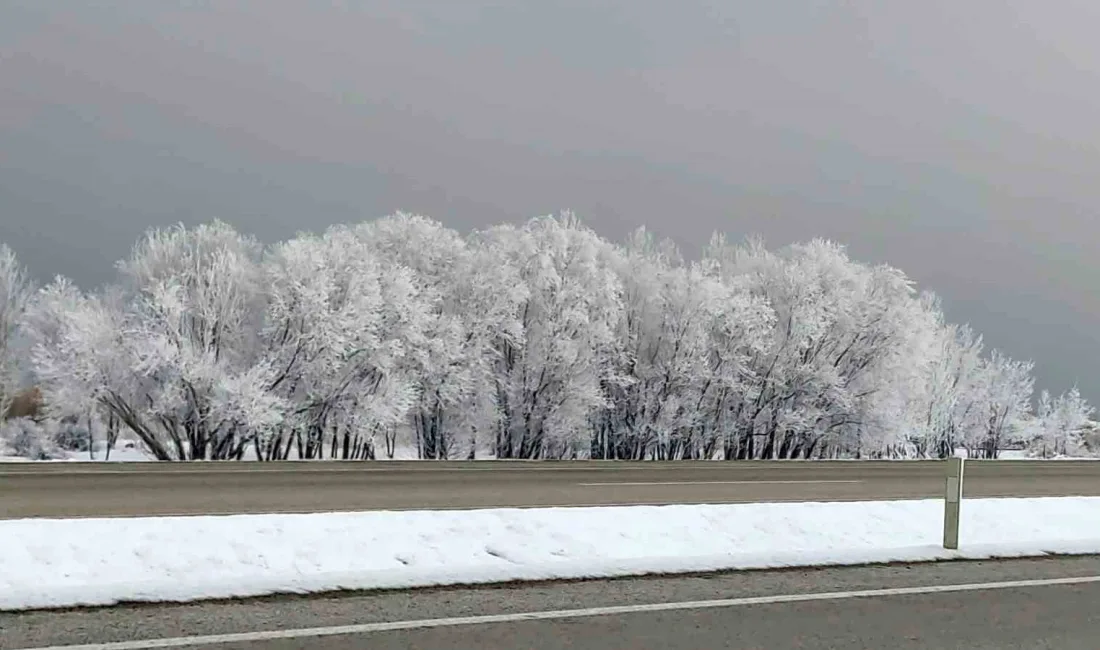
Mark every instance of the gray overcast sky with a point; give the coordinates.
(956, 140)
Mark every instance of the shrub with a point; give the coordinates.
(26, 438)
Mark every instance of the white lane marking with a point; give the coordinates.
(807, 482)
(368, 628)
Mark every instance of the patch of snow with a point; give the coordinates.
(62, 563)
(133, 453)
(122, 455)
(119, 454)
(1022, 454)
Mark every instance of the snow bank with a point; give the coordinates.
(59, 563)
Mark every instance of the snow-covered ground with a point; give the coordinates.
(58, 563)
(120, 455)
(1019, 454)
(133, 454)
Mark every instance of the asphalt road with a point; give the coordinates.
(117, 489)
(963, 606)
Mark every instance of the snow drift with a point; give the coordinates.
(62, 563)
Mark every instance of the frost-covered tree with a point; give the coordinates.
(685, 340)
(470, 306)
(660, 354)
(195, 301)
(75, 351)
(841, 334)
(1060, 425)
(1005, 388)
(947, 405)
(550, 382)
(172, 353)
(76, 342)
(341, 325)
(15, 293)
(899, 379)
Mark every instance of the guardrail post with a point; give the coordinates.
(952, 501)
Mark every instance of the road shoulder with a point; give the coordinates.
(68, 627)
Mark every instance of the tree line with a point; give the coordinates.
(533, 341)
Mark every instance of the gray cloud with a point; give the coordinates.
(955, 140)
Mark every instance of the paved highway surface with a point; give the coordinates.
(806, 609)
(118, 489)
